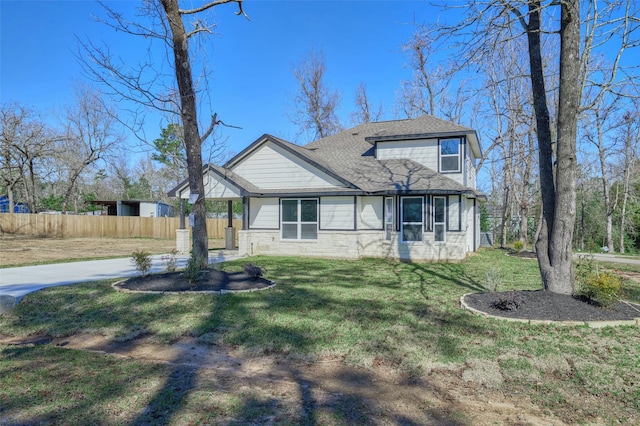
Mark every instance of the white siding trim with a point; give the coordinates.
(272, 167)
(423, 151)
(370, 212)
(264, 213)
(337, 213)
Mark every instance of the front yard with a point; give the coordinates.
(335, 342)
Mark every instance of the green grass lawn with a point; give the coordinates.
(403, 315)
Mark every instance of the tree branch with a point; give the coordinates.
(213, 4)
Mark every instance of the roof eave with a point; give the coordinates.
(177, 191)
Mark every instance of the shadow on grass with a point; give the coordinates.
(49, 385)
(361, 304)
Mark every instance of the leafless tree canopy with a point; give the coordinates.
(91, 136)
(171, 90)
(585, 31)
(365, 112)
(426, 92)
(314, 104)
(25, 143)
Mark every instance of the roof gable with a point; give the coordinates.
(272, 163)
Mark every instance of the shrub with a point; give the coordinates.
(170, 261)
(142, 261)
(192, 270)
(603, 288)
(493, 280)
(253, 271)
(518, 245)
(509, 301)
(585, 267)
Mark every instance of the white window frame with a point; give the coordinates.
(388, 217)
(403, 223)
(442, 224)
(458, 155)
(299, 221)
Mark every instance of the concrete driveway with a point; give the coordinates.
(15, 283)
(614, 258)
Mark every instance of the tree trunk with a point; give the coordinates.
(538, 228)
(524, 225)
(582, 208)
(606, 191)
(555, 255)
(629, 161)
(67, 195)
(505, 217)
(12, 203)
(192, 139)
(623, 214)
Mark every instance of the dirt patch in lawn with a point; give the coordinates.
(317, 392)
(17, 250)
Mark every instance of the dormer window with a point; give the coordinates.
(449, 155)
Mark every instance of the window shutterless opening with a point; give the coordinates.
(412, 213)
(439, 218)
(449, 155)
(299, 219)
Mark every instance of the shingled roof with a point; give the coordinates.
(348, 156)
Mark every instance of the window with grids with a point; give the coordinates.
(412, 218)
(299, 219)
(439, 218)
(450, 155)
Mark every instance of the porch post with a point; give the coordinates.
(183, 243)
(181, 213)
(245, 213)
(229, 232)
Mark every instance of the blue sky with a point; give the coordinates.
(252, 82)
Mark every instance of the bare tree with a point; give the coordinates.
(91, 135)
(363, 112)
(485, 30)
(510, 126)
(314, 104)
(25, 144)
(629, 132)
(595, 130)
(430, 89)
(147, 86)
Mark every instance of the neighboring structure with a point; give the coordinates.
(136, 208)
(403, 189)
(17, 207)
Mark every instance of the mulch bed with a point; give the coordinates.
(544, 305)
(525, 254)
(208, 280)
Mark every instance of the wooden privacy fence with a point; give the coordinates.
(75, 226)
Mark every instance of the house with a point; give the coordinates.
(136, 208)
(403, 189)
(17, 207)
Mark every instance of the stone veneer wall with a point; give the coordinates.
(353, 245)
